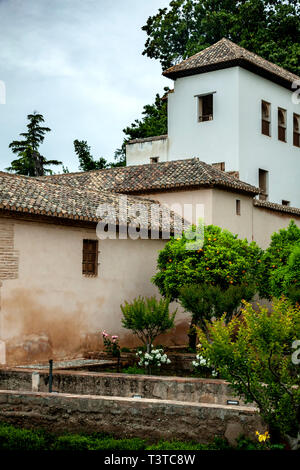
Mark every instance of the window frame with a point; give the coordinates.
(296, 132)
(282, 128)
(266, 119)
(85, 254)
(200, 115)
(263, 174)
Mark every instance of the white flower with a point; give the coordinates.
(168, 361)
(146, 363)
(214, 373)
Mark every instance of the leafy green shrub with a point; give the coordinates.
(254, 353)
(125, 350)
(73, 442)
(223, 260)
(134, 370)
(279, 272)
(206, 301)
(120, 444)
(12, 438)
(217, 444)
(147, 318)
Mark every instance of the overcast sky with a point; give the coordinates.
(80, 64)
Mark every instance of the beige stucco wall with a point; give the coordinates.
(176, 200)
(266, 222)
(51, 296)
(253, 223)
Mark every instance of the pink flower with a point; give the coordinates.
(114, 337)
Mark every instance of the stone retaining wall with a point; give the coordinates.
(121, 385)
(127, 417)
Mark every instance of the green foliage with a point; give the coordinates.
(71, 442)
(12, 438)
(280, 265)
(205, 301)
(269, 28)
(224, 260)
(254, 353)
(244, 443)
(134, 370)
(218, 444)
(30, 162)
(154, 122)
(147, 318)
(86, 160)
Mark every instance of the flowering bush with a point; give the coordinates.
(203, 365)
(111, 344)
(154, 358)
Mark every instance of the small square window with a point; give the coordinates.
(238, 207)
(285, 203)
(154, 159)
(90, 257)
(205, 108)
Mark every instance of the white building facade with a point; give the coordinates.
(235, 118)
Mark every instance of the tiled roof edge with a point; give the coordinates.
(276, 207)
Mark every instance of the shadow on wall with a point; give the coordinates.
(38, 328)
(36, 331)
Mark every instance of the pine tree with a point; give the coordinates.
(30, 162)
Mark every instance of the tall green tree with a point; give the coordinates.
(86, 160)
(30, 162)
(270, 28)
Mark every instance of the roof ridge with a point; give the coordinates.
(226, 51)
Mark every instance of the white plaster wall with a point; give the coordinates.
(212, 141)
(281, 160)
(141, 152)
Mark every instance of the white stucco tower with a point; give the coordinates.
(234, 109)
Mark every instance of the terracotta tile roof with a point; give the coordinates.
(225, 54)
(27, 195)
(276, 207)
(155, 177)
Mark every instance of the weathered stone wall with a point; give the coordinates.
(123, 385)
(145, 418)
